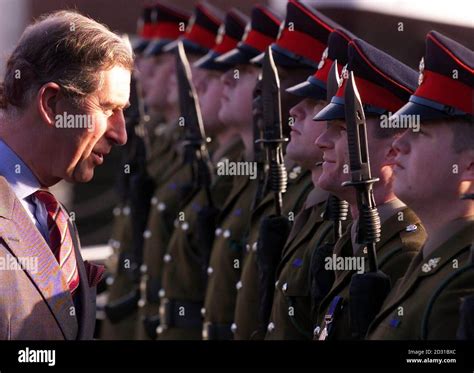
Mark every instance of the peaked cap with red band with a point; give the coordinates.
(384, 83)
(201, 33)
(167, 26)
(303, 37)
(145, 24)
(227, 39)
(446, 81)
(259, 34)
(315, 86)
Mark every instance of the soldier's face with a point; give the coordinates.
(155, 86)
(80, 150)
(209, 91)
(333, 143)
(304, 133)
(236, 99)
(428, 169)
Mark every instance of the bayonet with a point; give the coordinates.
(368, 227)
(195, 141)
(272, 129)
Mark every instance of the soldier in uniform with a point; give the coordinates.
(291, 316)
(233, 221)
(136, 184)
(424, 303)
(297, 53)
(384, 84)
(179, 314)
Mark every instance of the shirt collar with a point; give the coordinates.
(24, 183)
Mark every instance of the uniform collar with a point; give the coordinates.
(23, 183)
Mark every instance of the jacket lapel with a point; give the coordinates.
(24, 240)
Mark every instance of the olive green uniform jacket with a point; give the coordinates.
(401, 239)
(226, 260)
(246, 320)
(424, 304)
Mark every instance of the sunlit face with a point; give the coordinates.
(236, 99)
(155, 86)
(209, 90)
(336, 169)
(79, 150)
(304, 133)
(427, 168)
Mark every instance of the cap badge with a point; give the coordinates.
(421, 69)
(344, 75)
(323, 58)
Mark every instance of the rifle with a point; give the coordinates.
(274, 229)
(196, 154)
(272, 132)
(368, 290)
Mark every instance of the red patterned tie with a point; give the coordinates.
(60, 239)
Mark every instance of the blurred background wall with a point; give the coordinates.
(395, 26)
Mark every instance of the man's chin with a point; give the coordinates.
(82, 176)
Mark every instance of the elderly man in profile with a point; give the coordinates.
(64, 66)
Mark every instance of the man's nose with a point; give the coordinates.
(117, 131)
(226, 78)
(322, 142)
(401, 143)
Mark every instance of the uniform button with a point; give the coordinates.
(143, 268)
(233, 327)
(254, 246)
(159, 330)
(126, 210)
(161, 206)
(210, 270)
(141, 303)
(411, 228)
(284, 287)
(203, 312)
(147, 234)
(161, 293)
(116, 211)
(154, 200)
(167, 258)
(218, 232)
(109, 281)
(316, 331)
(292, 175)
(226, 233)
(271, 327)
(185, 226)
(238, 285)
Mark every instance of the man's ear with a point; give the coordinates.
(47, 100)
